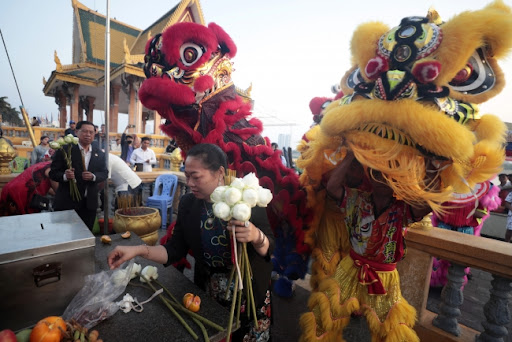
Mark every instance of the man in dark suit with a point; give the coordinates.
(88, 168)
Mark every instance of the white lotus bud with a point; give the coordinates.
(222, 211)
(68, 139)
(75, 140)
(54, 145)
(150, 272)
(250, 196)
(232, 195)
(61, 141)
(251, 181)
(241, 212)
(264, 197)
(135, 270)
(218, 194)
(237, 183)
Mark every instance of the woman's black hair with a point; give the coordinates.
(210, 155)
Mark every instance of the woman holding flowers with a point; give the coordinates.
(208, 236)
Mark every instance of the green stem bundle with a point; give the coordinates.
(73, 188)
(246, 273)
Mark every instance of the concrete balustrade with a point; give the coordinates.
(461, 250)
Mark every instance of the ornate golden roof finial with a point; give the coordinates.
(248, 90)
(58, 65)
(44, 80)
(127, 54)
(433, 16)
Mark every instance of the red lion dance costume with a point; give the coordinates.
(188, 72)
(411, 97)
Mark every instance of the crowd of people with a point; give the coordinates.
(44, 186)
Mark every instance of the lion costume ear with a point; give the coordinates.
(362, 45)
(476, 40)
(226, 44)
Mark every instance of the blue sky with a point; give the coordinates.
(291, 51)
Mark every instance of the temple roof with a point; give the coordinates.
(89, 36)
(127, 44)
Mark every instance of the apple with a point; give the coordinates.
(7, 335)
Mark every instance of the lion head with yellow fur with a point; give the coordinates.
(413, 94)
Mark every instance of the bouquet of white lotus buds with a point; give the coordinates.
(65, 145)
(235, 200)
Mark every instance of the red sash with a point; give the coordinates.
(367, 274)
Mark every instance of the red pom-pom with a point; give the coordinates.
(426, 72)
(375, 67)
(203, 83)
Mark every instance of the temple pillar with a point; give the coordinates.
(157, 119)
(81, 106)
(132, 107)
(60, 100)
(145, 117)
(89, 100)
(114, 108)
(75, 101)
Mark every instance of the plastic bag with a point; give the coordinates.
(96, 300)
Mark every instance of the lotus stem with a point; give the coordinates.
(231, 312)
(250, 294)
(178, 316)
(229, 281)
(203, 330)
(239, 298)
(193, 315)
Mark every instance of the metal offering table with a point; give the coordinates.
(44, 259)
(156, 322)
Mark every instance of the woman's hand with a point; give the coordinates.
(121, 254)
(248, 232)
(245, 231)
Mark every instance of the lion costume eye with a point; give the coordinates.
(190, 53)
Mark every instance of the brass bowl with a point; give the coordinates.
(143, 221)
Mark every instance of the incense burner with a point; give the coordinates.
(143, 221)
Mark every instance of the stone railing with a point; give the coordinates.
(462, 251)
(19, 135)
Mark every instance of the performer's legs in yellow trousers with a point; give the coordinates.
(390, 318)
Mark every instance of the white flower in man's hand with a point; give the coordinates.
(150, 272)
(232, 196)
(222, 211)
(237, 183)
(251, 181)
(241, 212)
(75, 140)
(218, 194)
(54, 145)
(61, 141)
(264, 197)
(68, 139)
(250, 196)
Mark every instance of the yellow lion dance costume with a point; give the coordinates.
(411, 95)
